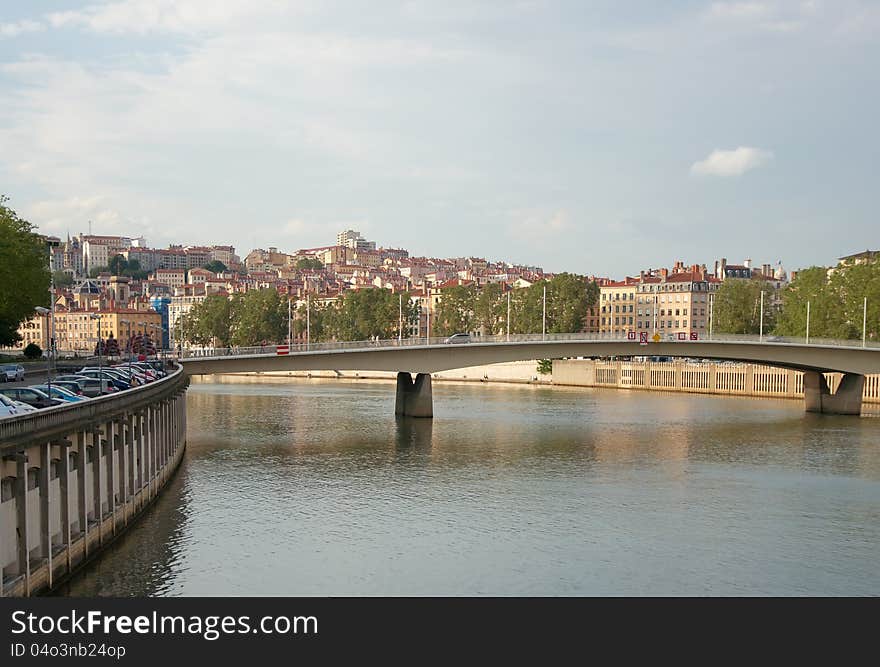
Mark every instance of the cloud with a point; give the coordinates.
(20, 27)
(540, 225)
(732, 162)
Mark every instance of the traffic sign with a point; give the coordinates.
(657, 338)
(282, 349)
(694, 335)
(630, 335)
(643, 337)
(682, 335)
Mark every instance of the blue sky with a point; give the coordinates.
(591, 136)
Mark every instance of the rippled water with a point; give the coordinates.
(311, 487)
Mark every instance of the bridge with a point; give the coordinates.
(415, 359)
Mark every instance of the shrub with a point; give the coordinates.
(33, 351)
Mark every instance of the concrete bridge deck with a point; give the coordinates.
(423, 357)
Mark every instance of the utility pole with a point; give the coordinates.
(544, 316)
(508, 317)
(864, 322)
(308, 321)
(711, 319)
(808, 323)
(400, 320)
(289, 341)
(761, 328)
(428, 321)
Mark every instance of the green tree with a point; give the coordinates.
(96, 270)
(216, 266)
(545, 366)
(33, 351)
(364, 313)
(455, 311)
(309, 263)
(569, 297)
(490, 309)
(117, 265)
(259, 315)
(211, 321)
(737, 306)
(24, 273)
(62, 279)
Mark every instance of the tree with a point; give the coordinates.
(96, 270)
(490, 308)
(455, 311)
(545, 366)
(365, 313)
(33, 351)
(259, 315)
(309, 263)
(24, 273)
(569, 298)
(62, 279)
(737, 306)
(215, 266)
(211, 321)
(117, 265)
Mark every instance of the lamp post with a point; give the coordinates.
(400, 320)
(289, 341)
(308, 321)
(711, 319)
(808, 324)
(96, 316)
(864, 322)
(129, 346)
(49, 353)
(761, 326)
(508, 317)
(544, 316)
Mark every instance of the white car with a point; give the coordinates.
(8, 407)
(24, 407)
(12, 372)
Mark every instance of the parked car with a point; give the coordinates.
(33, 397)
(24, 407)
(8, 407)
(72, 386)
(58, 392)
(114, 377)
(91, 387)
(12, 372)
(458, 338)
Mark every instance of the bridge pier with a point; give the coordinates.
(414, 398)
(847, 400)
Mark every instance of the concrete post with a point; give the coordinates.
(847, 400)
(96, 482)
(64, 476)
(414, 398)
(111, 477)
(82, 509)
(24, 562)
(45, 522)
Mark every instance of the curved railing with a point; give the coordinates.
(53, 422)
(344, 346)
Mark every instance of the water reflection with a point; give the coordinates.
(314, 487)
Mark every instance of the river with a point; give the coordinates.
(311, 487)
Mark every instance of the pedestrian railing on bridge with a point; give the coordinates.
(640, 348)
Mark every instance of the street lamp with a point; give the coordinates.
(544, 316)
(96, 316)
(50, 352)
(130, 347)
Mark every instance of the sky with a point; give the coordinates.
(593, 136)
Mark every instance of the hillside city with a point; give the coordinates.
(117, 287)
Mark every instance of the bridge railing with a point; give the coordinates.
(643, 350)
